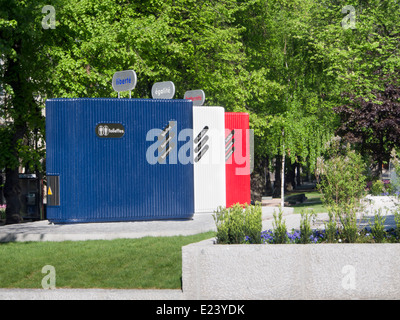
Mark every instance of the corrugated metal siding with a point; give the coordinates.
(237, 158)
(209, 159)
(110, 179)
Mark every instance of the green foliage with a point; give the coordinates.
(286, 63)
(305, 225)
(378, 227)
(236, 225)
(341, 176)
(344, 224)
(395, 155)
(341, 179)
(377, 187)
(395, 160)
(397, 221)
(348, 226)
(193, 44)
(357, 58)
(290, 94)
(331, 228)
(279, 228)
(253, 223)
(24, 75)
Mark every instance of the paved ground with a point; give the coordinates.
(43, 231)
(89, 294)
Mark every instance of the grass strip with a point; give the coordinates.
(150, 262)
(314, 201)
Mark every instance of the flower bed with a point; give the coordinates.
(322, 264)
(287, 271)
(236, 225)
(319, 236)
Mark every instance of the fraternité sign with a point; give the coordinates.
(197, 96)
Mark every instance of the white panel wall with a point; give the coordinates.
(209, 158)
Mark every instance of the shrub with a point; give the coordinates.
(377, 188)
(343, 224)
(331, 228)
(236, 225)
(395, 160)
(378, 228)
(305, 225)
(388, 187)
(348, 221)
(279, 228)
(397, 221)
(341, 178)
(253, 223)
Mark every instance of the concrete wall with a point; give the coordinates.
(294, 271)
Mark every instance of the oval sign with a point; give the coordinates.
(197, 96)
(163, 90)
(110, 130)
(124, 80)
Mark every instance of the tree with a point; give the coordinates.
(193, 44)
(373, 127)
(24, 74)
(293, 93)
(365, 61)
(289, 64)
(321, 65)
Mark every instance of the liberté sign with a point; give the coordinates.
(124, 80)
(163, 90)
(197, 96)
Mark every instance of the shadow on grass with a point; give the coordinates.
(314, 201)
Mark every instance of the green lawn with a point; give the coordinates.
(313, 201)
(151, 262)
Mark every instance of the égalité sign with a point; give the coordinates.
(163, 90)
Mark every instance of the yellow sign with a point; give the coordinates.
(49, 192)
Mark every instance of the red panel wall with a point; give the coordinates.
(237, 157)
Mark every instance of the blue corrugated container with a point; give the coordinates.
(116, 160)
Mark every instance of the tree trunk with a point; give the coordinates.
(257, 181)
(283, 171)
(298, 179)
(277, 182)
(268, 184)
(291, 176)
(20, 103)
(12, 191)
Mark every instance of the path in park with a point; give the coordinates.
(45, 231)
